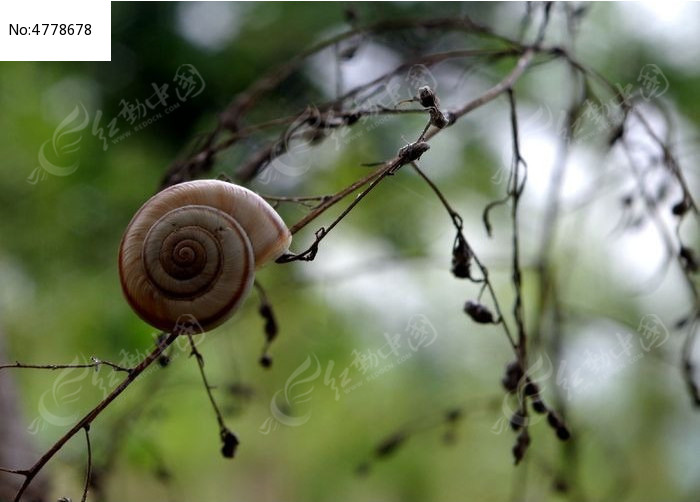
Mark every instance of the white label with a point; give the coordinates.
(55, 30)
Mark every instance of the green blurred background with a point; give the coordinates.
(385, 266)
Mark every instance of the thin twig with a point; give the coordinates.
(19, 472)
(623, 102)
(231, 118)
(31, 473)
(457, 222)
(228, 439)
(406, 155)
(200, 363)
(687, 365)
(394, 164)
(516, 191)
(89, 462)
(95, 364)
(328, 117)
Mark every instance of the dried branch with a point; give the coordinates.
(231, 118)
(314, 123)
(97, 363)
(137, 370)
(389, 167)
(270, 328)
(329, 117)
(457, 222)
(228, 438)
(89, 462)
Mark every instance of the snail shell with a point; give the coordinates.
(192, 250)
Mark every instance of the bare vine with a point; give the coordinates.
(351, 107)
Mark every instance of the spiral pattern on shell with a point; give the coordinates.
(191, 252)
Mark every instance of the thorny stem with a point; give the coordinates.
(247, 99)
(406, 154)
(228, 439)
(456, 218)
(431, 60)
(311, 251)
(19, 472)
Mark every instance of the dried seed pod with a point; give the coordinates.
(517, 420)
(270, 322)
(390, 445)
(521, 445)
(553, 419)
(427, 97)
(539, 406)
(230, 443)
(563, 433)
(680, 208)
(413, 151)
(437, 118)
(690, 261)
(512, 376)
(453, 415)
(461, 259)
(558, 425)
(531, 388)
(265, 360)
(478, 312)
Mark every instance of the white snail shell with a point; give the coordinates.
(192, 250)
